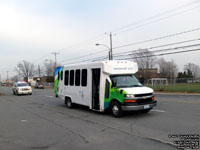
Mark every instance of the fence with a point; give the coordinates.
(174, 85)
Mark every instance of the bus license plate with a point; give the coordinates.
(146, 107)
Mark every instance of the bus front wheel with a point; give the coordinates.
(116, 109)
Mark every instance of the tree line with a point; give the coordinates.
(146, 60)
(26, 69)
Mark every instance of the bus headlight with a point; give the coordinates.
(129, 95)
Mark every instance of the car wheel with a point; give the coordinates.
(69, 103)
(116, 109)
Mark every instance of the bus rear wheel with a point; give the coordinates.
(116, 109)
(68, 102)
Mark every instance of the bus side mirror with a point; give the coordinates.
(121, 91)
(114, 83)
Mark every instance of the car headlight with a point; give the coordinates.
(129, 95)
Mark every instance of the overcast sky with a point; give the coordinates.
(32, 29)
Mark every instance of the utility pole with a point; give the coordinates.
(55, 58)
(111, 49)
(39, 71)
(7, 76)
(111, 53)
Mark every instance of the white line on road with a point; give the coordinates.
(162, 111)
(48, 96)
(23, 120)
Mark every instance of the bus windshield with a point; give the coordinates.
(123, 81)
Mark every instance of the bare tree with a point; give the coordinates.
(25, 69)
(15, 78)
(39, 71)
(193, 68)
(145, 60)
(167, 68)
(49, 67)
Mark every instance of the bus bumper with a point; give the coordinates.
(139, 107)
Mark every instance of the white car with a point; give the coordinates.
(20, 88)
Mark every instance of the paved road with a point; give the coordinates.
(41, 121)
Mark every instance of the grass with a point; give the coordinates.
(178, 87)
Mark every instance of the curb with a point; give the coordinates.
(191, 94)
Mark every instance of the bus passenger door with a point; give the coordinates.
(95, 88)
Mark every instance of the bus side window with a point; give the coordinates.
(61, 75)
(107, 88)
(77, 77)
(71, 77)
(66, 77)
(84, 77)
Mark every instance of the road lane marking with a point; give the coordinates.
(48, 96)
(24, 120)
(162, 111)
(180, 101)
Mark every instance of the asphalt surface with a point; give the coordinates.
(41, 122)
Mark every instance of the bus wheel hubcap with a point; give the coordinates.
(69, 103)
(115, 109)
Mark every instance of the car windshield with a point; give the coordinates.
(123, 81)
(22, 84)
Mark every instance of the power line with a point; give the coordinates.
(145, 41)
(111, 54)
(156, 51)
(174, 43)
(82, 42)
(130, 25)
(121, 29)
(127, 26)
(159, 46)
(159, 51)
(88, 60)
(159, 38)
(162, 54)
(192, 50)
(83, 56)
(159, 19)
(75, 45)
(55, 58)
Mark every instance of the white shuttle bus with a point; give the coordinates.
(102, 86)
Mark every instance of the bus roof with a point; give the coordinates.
(109, 67)
(120, 67)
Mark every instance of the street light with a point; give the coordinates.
(109, 52)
